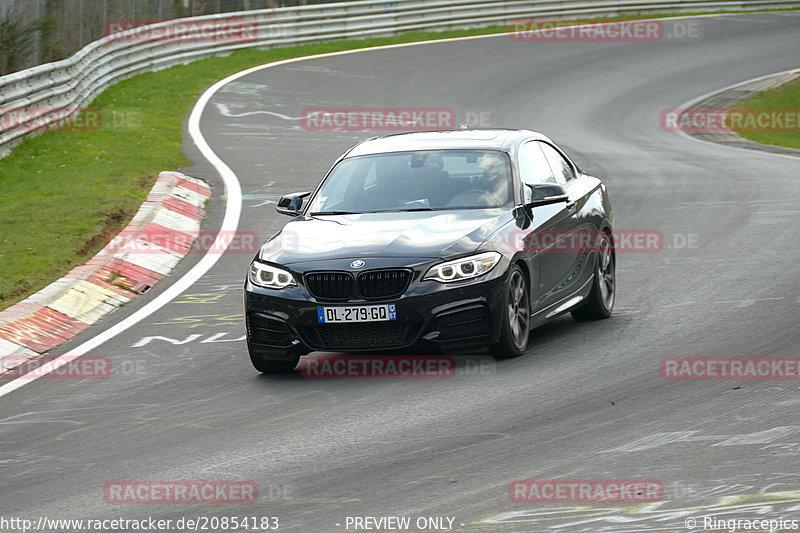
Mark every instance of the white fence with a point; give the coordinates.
(39, 97)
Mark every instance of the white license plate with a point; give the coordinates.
(356, 313)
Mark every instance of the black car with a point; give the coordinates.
(461, 240)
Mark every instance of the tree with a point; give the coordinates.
(17, 43)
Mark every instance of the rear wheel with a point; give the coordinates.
(516, 321)
(601, 298)
(272, 366)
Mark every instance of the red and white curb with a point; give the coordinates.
(157, 238)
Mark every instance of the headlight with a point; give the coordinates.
(269, 276)
(464, 268)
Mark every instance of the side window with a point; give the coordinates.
(533, 166)
(561, 167)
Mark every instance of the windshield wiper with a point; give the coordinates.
(315, 213)
(409, 209)
(399, 210)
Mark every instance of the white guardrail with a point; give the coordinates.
(39, 97)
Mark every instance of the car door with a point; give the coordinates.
(580, 230)
(546, 243)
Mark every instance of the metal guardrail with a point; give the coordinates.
(37, 98)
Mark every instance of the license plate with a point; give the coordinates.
(359, 313)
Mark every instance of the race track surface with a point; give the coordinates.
(586, 401)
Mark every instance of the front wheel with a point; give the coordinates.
(516, 321)
(601, 298)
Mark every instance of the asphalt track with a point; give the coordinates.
(586, 401)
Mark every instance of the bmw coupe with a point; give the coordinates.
(461, 241)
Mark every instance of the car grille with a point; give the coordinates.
(265, 330)
(383, 283)
(374, 335)
(330, 285)
(371, 284)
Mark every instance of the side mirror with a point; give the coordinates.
(546, 194)
(290, 204)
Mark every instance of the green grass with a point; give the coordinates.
(785, 97)
(64, 194)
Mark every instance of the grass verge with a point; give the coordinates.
(786, 98)
(65, 193)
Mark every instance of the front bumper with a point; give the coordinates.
(453, 318)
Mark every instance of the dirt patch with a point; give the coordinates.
(112, 223)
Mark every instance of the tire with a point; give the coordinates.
(515, 330)
(600, 303)
(272, 366)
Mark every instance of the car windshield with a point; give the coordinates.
(416, 181)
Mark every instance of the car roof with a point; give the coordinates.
(484, 139)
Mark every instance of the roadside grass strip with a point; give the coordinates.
(784, 99)
(127, 266)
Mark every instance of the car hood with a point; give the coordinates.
(429, 234)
